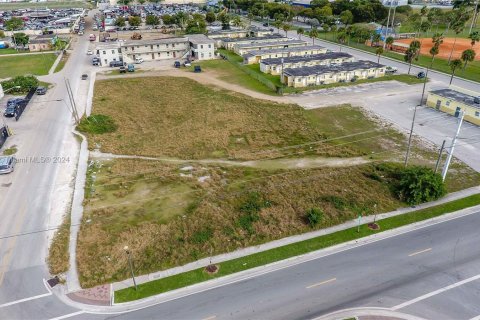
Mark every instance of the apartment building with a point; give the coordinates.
(108, 52)
(322, 74)
(201, 47)
(275, 65)
(158, 49)
(454, 100)
(256, 56)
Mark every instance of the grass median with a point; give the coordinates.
(277, 254)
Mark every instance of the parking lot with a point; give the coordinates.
(40, 19)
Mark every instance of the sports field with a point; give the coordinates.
(446, 47)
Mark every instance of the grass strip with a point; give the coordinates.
(288, 251)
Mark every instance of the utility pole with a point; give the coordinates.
(388, 22)
(474, 18)
(439, 156)
(452, 147)
(393, 18)
(131, 266)
(409, 146)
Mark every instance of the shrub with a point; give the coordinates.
(97, 124)
(419, 184)
(202, 236)
(251, 207)
(24, 84)
(313, 216)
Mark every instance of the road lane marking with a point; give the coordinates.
(434, 293)
(65, 316)
(321, 283)
(419, 252)
(26, 299)
(475, 318)
(210, 318)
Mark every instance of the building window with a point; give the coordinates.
(167, 45)
(173, 45)
(447, 103)
(201, 46)
(202, 55)
(209, 46)
(113, 51)
(104, 52)
(477, 113)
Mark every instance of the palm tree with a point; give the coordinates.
(300, 32)
(277, 24)
(286, 27)
(457, 27)
(334, 29)
(376, 39)
(454, 65)
(389, 42)
(342, 37)
(468, 56)
(475, 37)
(412, 53)
(379, 52)
(325, 28)
(313, 34)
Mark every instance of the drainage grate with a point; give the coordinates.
(53, 281)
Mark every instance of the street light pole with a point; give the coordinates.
(452, 147)
(131, 266)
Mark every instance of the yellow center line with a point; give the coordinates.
(210, 318)
(418, 252)
(320, 283)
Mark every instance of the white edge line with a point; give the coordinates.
(24, 300)
(419, 252)
(145, 300)
(321, 283)
(65, 316)
(434, 293)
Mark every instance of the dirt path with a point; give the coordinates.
(205, 78)
(295, 163)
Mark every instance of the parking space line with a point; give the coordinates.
(210, 318)
(419, 252)
(434, 293)
(65, 316)
(24, 300)
(321, 283)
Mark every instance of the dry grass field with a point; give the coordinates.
(173, 213)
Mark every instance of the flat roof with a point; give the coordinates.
(154, 41)
(281, 50)
(270, 44)
(252, 39)
(320, 69)
(199, 39)
(457, 96)
(309, 57)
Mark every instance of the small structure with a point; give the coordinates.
(201, 47)
(244, 48)
(274, 66)
(230, 43)
(453, 100)
(318, 75)
(257, 55)
(42, 42)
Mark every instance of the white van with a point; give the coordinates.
(138, 60)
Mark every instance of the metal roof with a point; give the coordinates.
(321, 69)
(153, 41)
(281, 50)
(310, 57)
(252, 39)
(457, 96)
(270, 44)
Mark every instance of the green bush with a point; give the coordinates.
(419, 184)
(97, 124)
(24, 84)
(251, 206)
(313, 216)
(202, 236)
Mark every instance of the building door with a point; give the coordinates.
(457, 112)
(153, 56)
(439, 103)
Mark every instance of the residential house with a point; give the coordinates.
(42, 42)
(201, 47)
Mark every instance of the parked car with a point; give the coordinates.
(421, 75)
(131, 68)
(177, 64)
(89, 52)
(197, 69)
(80, 33)
(187, 63)
(138, 60)
(10, 111)
(390, 69)
(122, 69)
(15, 101)
(7, 164)
(41, 91)
(84, 76)
(116, 63)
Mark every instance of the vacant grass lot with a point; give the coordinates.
(36, 64)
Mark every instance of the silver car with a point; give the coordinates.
(7, 164)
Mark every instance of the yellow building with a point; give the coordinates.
(453, 100)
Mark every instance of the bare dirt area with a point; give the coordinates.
(446, 47)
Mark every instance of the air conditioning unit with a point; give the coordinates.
(476, 100)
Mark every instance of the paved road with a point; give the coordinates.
(44, 140)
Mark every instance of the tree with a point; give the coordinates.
(21, 38)
(120, 22)
(168, 19)
(181, 19)
(346, 17)
(412, 53)
(225, 19)
(141, 2)
(300, 32)
(14, 24)
(134, 21)
(468, 56)
(376, 39)
(474, 37)
(286, 27)
(2, 34)
(196, 25)
(314, 34)
(379, 52)
(277, 24)
(459, 19)
(454, 65)
(389, 42)
(210, 17)
(342, 37)
(325, 28)
(420, 184)
(152, 20)
(237, 21)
